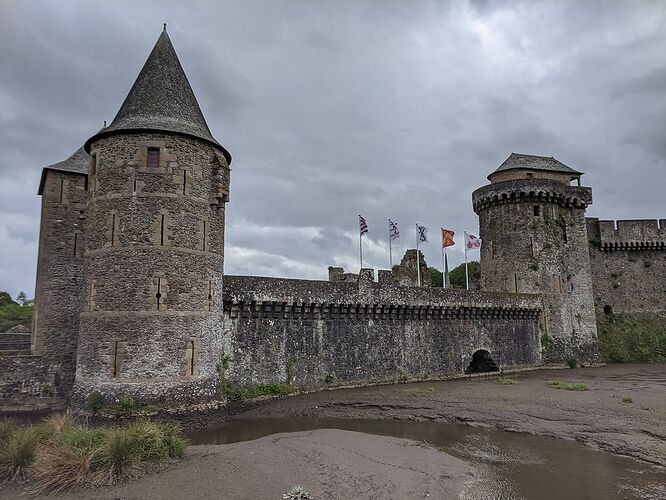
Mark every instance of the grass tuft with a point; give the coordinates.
(627, 399)
(254, 391)
(568, 386)
(19, 452)
(506, 381)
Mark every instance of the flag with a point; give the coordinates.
(472, 242)
(362, 225)
(447, 238)
(394, 232)
(423, 233)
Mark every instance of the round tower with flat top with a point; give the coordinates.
(154, 246)
(532, 223)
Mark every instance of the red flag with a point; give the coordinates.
(447, 238)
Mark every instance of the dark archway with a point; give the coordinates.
(608, 310)
(481, 362)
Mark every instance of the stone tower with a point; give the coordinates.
(154, 246)
(532, 222)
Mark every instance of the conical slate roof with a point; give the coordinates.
(533, 162)
(161, 99)
(77, 163)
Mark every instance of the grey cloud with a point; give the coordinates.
(330, 109)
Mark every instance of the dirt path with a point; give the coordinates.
(330, 464)
(597, 417)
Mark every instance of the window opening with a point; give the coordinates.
(158, 295)
(203, 240)
(113, 229)
(153, 158)
(184, 180)
(537, 210)
(114, 357)
(191, 357)
(162, 230)
(210, 295)
(76, 238)
(515, 282)
(62, 188)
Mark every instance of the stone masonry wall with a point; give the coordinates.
(628, 260)
(151, 316)
(296, 331)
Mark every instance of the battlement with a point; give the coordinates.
(250, 296)
(638, 234)
(531, 191)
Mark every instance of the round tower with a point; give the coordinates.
(532, 223)
(150, 324)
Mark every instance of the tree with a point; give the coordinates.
(22, 298)
(457, 274)
(435, 277)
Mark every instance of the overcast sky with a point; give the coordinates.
(331, 109)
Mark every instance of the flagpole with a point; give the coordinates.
(466, 271)
(418, 261)
(443, 270)
(390, 255)
(446, 268)
(360, 247)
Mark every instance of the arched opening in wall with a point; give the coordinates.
(608, 310)
(481, 362)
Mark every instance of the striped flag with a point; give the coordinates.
(362, 225)
(394, 232)
(423, 233)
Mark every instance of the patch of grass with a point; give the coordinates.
(633, 338)
(506, 381)
(131, 406)
(256, 390)
(421, 390)
(568, 386)
(63, 453)
(627, 399)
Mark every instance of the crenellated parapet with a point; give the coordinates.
(639, 234)
(279, 298)
(528, 191)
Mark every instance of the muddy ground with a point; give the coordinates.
(598, 417)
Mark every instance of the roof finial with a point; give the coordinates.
(164, 26)
(105, 123)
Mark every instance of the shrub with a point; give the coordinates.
(60, 467)
(330, 378)
(19, 451)
(632, 339)
(571, 361)
(297, 493)
(568, 386)
(117, 454)
(59, 422)
(7, 427)
(95, 402)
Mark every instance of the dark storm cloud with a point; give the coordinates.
(331, 109)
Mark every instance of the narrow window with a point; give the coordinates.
(532, 246)
(113, 230)
(162, 222)
(134, 183)
(564, 232)
(203, 239)
(515, 282)
(158, 295)
(537, 210)
(210, 295)
(153, 158)
(184, 181)
(191, 357)
(114, 359)
(93, 172)
(76, 239)
(62, 189)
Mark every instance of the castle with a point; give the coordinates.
(131, 298)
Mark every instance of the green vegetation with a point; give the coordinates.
(95, 402)
(633, 339)
(330, 378)
(421, 390)
(126, 406)
(256, 390)
(456, 275)
(568, 386)
(533, 264)
(15, 313)
(506, 381)
(627, 399)
(571, 361)
(61, 452)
